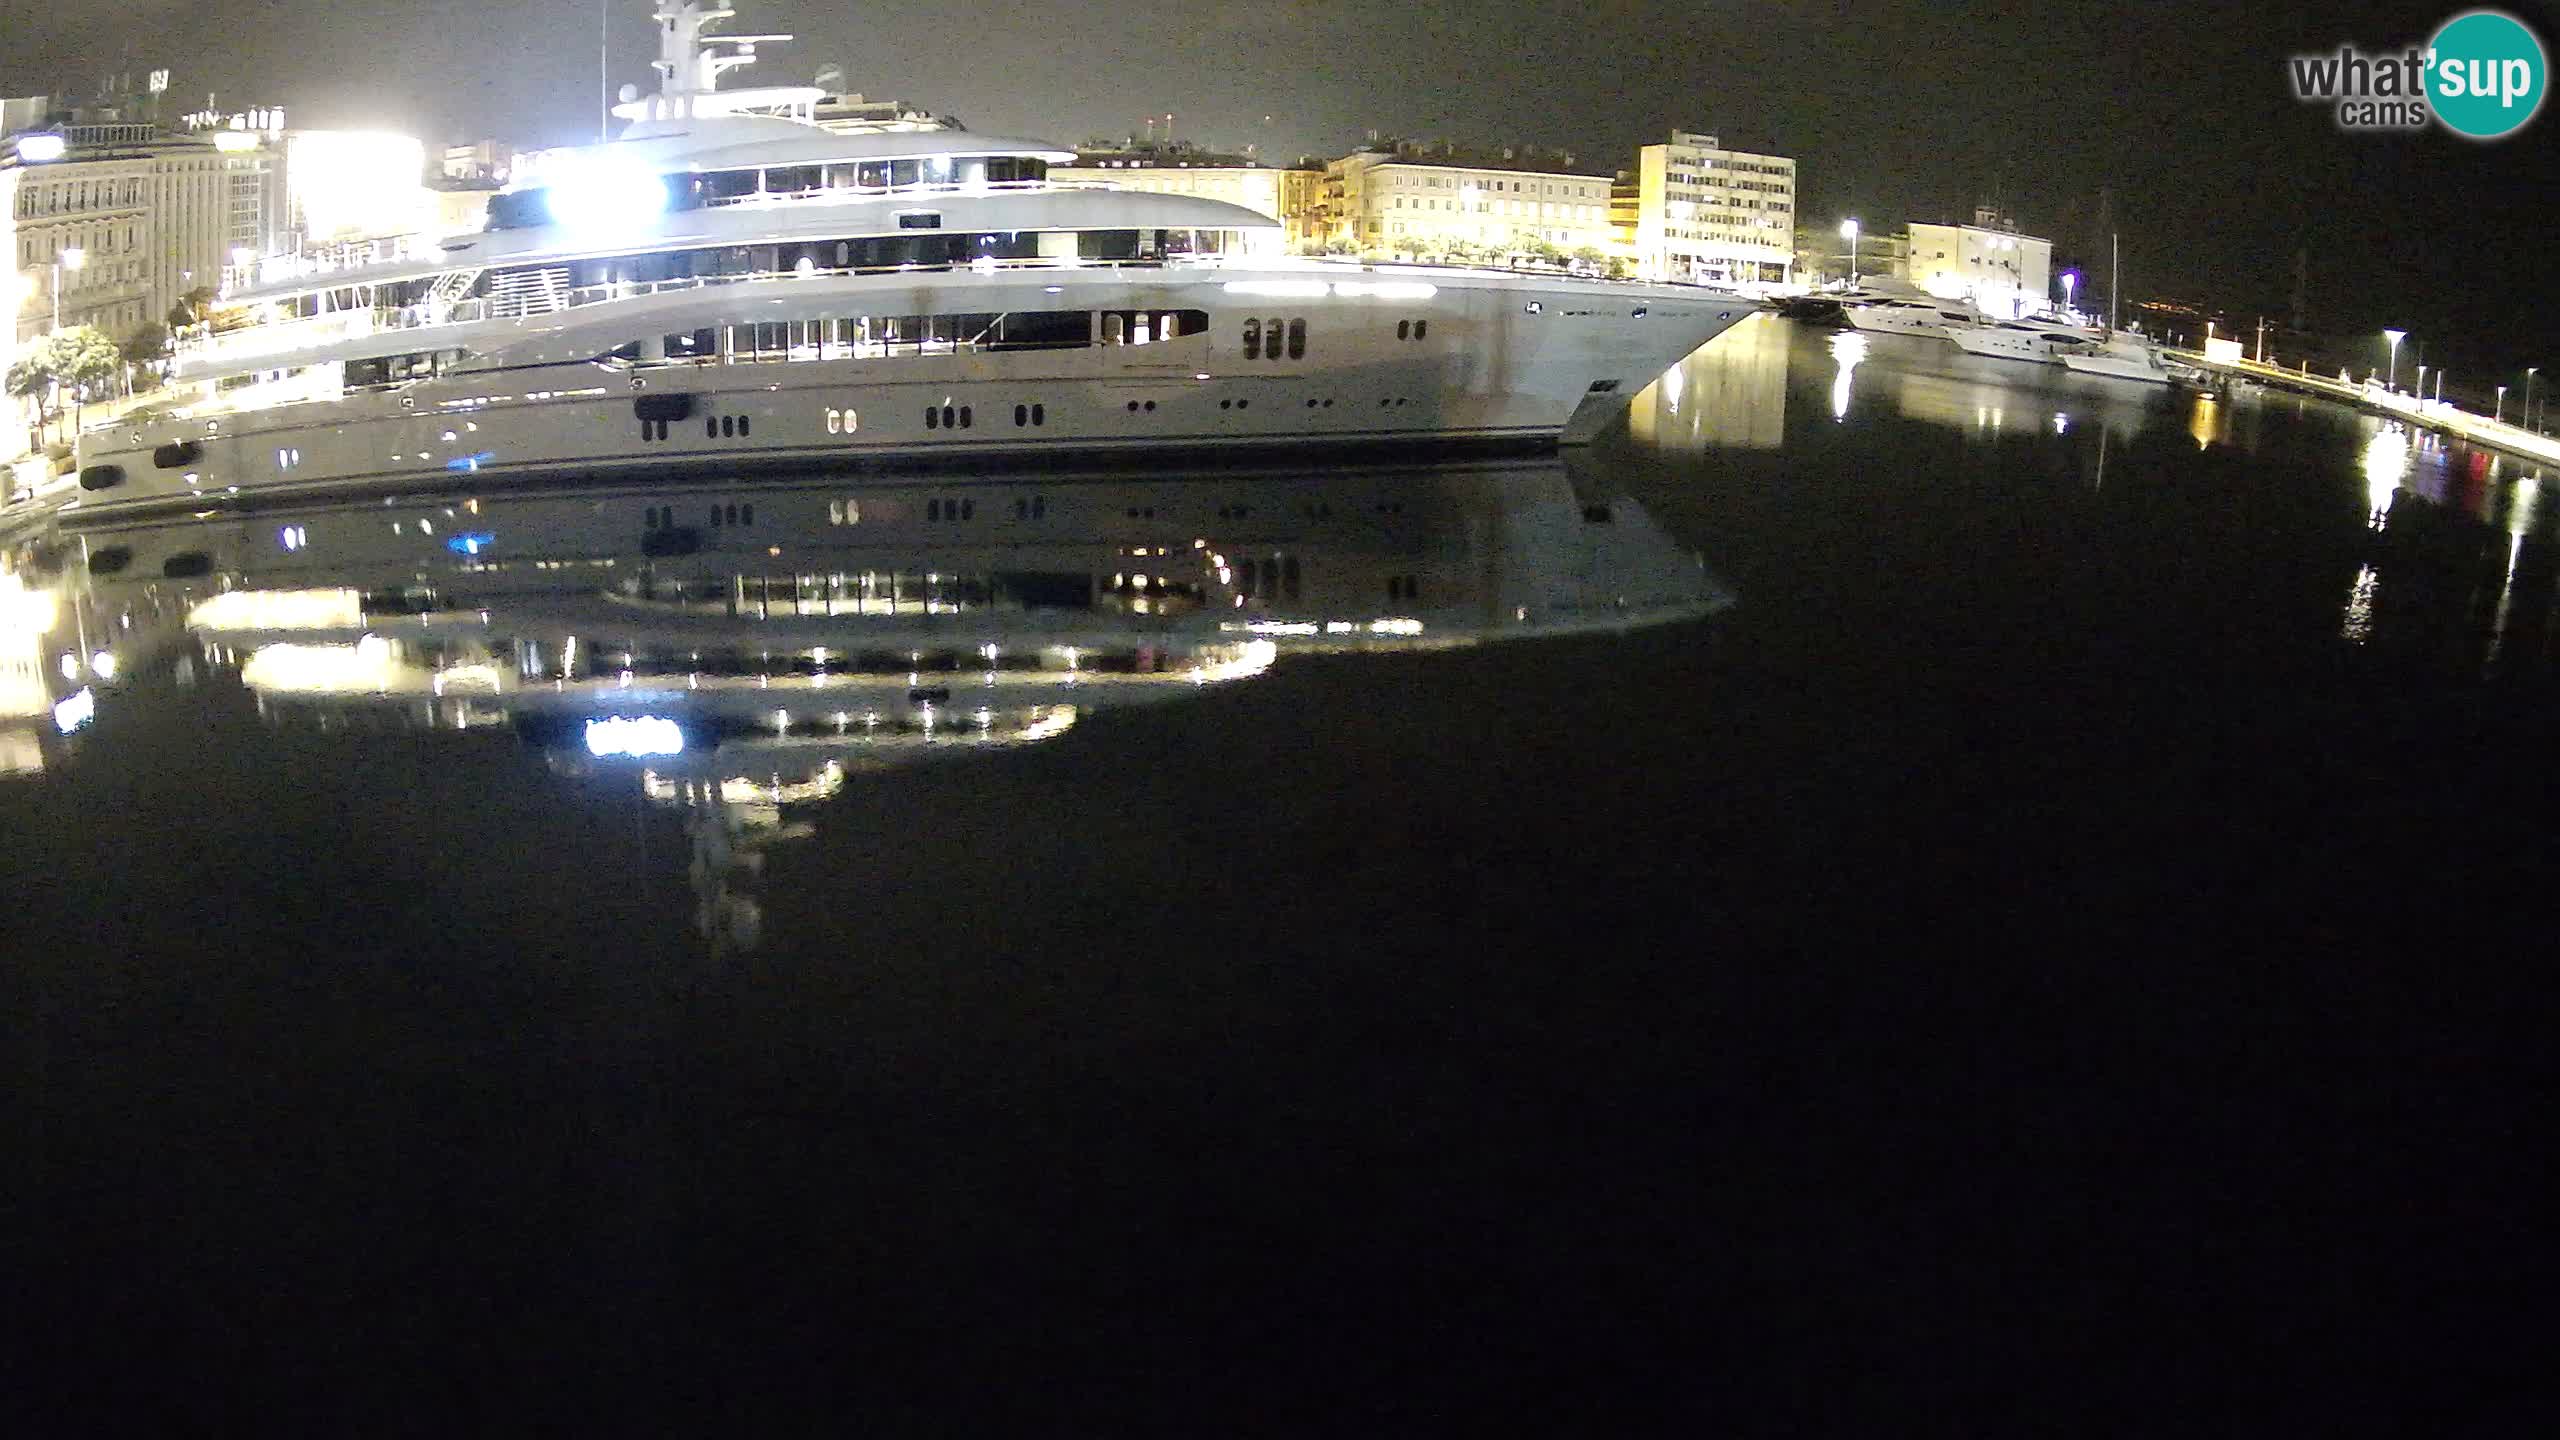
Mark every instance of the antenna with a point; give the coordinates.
(604, 83)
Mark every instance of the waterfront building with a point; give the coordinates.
(478, 162)
(2003, 272)
(1427, 200)
(1288, 194)
(131, 218)
(1708, 214)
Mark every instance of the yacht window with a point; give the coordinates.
(729, 185)
(1115, 328)
(1297, 339)
(1253, 339)
(1272, 328)
(1107, 244)
(1042, 330)
(872, 174)
(906, 172)
(791, 180)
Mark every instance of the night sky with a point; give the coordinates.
(1893, 111)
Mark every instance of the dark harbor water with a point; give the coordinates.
(1895, 876)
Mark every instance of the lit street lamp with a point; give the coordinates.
(1849, 232)
(2395, 337)
(72, 258)
(2529, 372)
(2070, 286)
(2501, 412)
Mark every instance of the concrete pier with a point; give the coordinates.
(2464, 425)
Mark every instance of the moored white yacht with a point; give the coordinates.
(2120, 356)
(1913, 314)
(2041, 342)
(728, 284)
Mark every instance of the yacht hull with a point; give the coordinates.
(2116, 367)
(1388, 359)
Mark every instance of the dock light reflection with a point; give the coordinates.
(635, 737)
(1849, 348)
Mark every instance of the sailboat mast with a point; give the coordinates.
(2115, 282)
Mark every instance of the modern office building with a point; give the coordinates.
(1712, 215)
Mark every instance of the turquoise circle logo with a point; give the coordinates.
(2485, 75)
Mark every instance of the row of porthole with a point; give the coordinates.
(724, 427)
(1412, 329)
(951, 509)
(949, 417)
(1030, 415)
(663, 517)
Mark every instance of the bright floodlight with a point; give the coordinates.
(641, 736)
(606, 196)
(1848, 229)
(36, 149)
(73, 257)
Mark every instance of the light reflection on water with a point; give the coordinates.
(1884, 411)
(1730, 395)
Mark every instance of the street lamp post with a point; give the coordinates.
(1849, 232)
(2529, 372)
(2501, 413)
(71, 258)
(2439, 385)
(2421, 387)
(2395, 337)
(2070, 287)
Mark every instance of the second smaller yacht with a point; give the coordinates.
(1912, 315)
(2119, 356)
(2041, 342)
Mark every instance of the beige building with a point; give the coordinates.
(126, 217)
(1705, 213)
(1287, 194)
(1988, 262)
(1431, 201)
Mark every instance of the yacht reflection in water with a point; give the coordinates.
(743, 652)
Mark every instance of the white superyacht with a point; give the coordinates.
(728, 284)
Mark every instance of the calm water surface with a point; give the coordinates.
(1892, 845)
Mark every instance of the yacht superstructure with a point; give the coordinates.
(728, 283)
